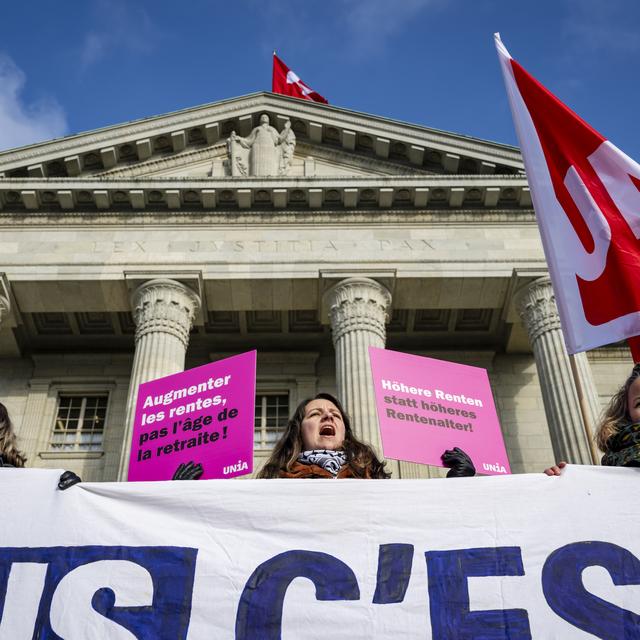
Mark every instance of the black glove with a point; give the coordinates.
(188, 471)
(459, 463)
(68, 479)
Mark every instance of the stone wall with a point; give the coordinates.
(31, 390)
(520, 407)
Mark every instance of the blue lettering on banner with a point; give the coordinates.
(394, 572)
(83, 588)
(121, 593)
(451, 618)
(260, 608)
(565, 593)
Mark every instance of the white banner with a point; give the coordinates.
(526, 556)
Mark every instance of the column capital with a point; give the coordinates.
(536, 305)
(165, 306)
(358, 304)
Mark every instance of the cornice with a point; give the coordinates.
(614, 354)
(414, 134)
(120, 133)
(432, 217)
(230, 182)
(185, 194)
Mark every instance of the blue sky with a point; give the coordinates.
(68, 67)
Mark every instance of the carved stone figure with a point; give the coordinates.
(287, 146)
(264, 152)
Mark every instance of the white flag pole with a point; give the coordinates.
(584, 410)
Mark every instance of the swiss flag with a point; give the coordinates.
(288, 83)
(586, 193)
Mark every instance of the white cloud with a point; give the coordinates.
(121, 27)
(22, 123)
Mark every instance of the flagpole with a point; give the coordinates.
(584, 410)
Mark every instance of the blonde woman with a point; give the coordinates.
(618, 433)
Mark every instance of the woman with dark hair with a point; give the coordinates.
(319, 443)
(11, 456)
(618, 432)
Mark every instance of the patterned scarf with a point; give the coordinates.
(331, 461)
(623, 448)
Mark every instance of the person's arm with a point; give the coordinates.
(459, 463)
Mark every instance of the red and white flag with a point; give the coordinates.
(586, 194)
(288, 83)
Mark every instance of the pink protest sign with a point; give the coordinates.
(204, 415)
(426, 406)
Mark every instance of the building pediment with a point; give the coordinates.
(308, 161)
(194, 143)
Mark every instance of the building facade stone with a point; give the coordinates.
(134, 251)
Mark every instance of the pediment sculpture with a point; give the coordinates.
(264, 152)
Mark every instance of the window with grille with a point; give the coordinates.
(272, 413)
(79, 423)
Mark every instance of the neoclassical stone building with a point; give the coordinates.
(307, 232)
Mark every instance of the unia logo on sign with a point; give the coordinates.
(496, 468)
(234, 468)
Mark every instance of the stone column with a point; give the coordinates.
(536, 305)
(358, 308)
(163, 311)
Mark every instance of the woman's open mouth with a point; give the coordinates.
(327, 430)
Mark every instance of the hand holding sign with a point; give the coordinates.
(459, 463)
(197, 423)
(188, 471)
(428, 406)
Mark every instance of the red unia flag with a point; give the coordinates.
(288, 83)
(586, 193)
